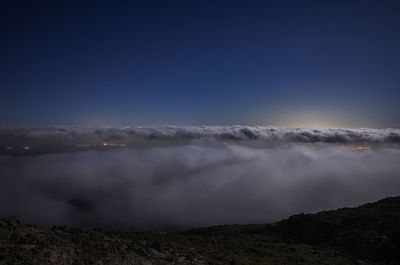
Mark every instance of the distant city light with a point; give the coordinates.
(110, 144)
(359, 147)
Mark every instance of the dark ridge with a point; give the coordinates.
(370, 231)
(368, 234)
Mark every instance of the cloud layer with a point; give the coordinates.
(62, 138)
(199, 181)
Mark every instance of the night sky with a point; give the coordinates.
(285, 63)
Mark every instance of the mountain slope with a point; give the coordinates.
(368, 234)
(369, 231)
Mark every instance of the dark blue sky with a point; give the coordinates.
(293, 63)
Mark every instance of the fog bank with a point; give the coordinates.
(200, 183)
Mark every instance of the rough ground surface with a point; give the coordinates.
(369, 234)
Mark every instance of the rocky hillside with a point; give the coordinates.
(369, 234)
(371, 231)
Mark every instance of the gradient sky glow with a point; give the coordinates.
(290, 63)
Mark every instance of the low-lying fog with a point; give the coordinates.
(202, 180)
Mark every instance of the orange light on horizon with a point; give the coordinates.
(359, 147)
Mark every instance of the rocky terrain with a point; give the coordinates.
(369, 234)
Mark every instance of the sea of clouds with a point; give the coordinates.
(63, 135)
(178, 177)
